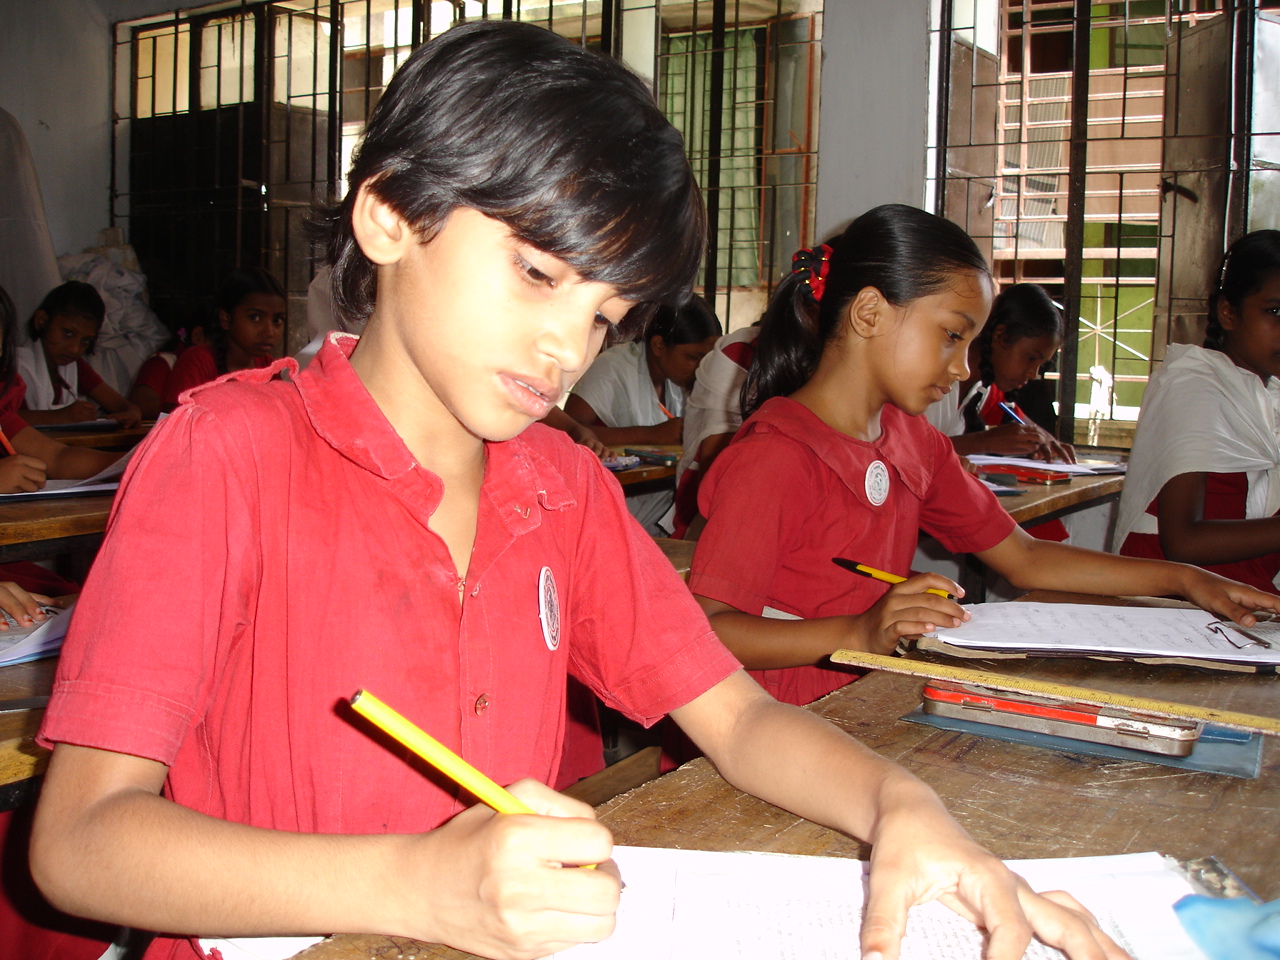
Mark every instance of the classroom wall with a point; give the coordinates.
(875, 112)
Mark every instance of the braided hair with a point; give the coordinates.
(1249, 263)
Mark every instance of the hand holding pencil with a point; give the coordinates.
(496, 882)
(911, 607)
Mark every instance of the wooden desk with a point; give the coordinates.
(647, 476)
(20, 758)
(1017, 800)
(1039, 502)
(38, 529)
(120, 439)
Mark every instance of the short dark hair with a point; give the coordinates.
(74, 296)
(564, 146)
(902, 251)
(1249, 263)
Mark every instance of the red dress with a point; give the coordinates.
(1224, 499)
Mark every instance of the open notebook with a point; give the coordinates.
(1165, 634)
(770, 906)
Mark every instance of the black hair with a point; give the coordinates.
(563, 146)
(902, 251)
(1249, 263)
(236, 285)
(693, 322)
(73, 297)
(8, 330)
(1022, 310)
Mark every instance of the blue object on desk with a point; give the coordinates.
(1219, 750)
(1232, 929)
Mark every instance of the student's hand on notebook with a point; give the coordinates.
(669, 431)
(128, 417)
(1227, 598)
(496, 884)
(22, 606)
(78, 412)
(22, 474)
(920, 854)
(1025, 440)
(908, 611)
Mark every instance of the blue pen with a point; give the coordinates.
(1008, 408)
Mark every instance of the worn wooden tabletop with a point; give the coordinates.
(1040, 501)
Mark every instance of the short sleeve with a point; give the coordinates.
(87, 378)
(135, 673)
(958, 509)
(748, 535)
(11, 398)
(642, 643)
(605, 388)
(194, 367)
(154, 373)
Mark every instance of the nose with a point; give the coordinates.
(571, 338)
(959, 366)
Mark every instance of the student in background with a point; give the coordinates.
(635, 392)
(37, 458)
(712, 416)
(63, 329)
(1022, 335)
(152, 381)
(1203, 485)
(393, 520)
(835, 460)
(246, 333)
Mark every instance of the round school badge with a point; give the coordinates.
(549, 608)
(876, 483)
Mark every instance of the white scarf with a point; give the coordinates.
(1202, 414)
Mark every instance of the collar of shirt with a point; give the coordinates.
(344, 415)
(848, 457)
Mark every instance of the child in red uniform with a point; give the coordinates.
(836, 461)
(63, 330)
(1204, 477)
(389, 518)
(1022, 335)
(38, 458)
(251, 311)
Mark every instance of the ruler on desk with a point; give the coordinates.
(1057, 691)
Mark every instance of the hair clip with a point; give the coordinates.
(813, 266)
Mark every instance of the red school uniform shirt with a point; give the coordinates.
(196, 365)
(297, 567)
(11, 398)
(790, 493)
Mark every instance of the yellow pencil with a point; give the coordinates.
(436, 753)
(875, 574)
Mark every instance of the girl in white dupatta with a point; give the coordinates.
(1204, 478)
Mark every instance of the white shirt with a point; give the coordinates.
(34, 370)
(1202, 414)
(617, 386)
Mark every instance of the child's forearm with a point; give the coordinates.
(618, 436)
(107, 846)
(762, 643)
(77, 463)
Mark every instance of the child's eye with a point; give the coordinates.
(532, 273)
(954, 336)
(602, 319)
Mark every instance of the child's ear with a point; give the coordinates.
(224, 319)
(39, 320)
(381, 232)
(658, 345)
(1226, 314)
(869, 313)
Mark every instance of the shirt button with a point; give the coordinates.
(482, 704)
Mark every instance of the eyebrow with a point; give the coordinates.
(969, 321)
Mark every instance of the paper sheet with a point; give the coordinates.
(761, 906)
(20, 644)
(1065, 628)
(1087, 468)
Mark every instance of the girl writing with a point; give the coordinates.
(53, 367)
(835, 461)
(1204, 476)
(251, 311)
(635, 392)
(34, 457)
(391, 518)
(1021, 336)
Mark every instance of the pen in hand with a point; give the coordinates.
(863, 570)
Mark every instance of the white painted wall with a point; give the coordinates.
(875, 113)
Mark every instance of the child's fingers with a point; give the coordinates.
(22, 606)
(549, 802)
(921, 582)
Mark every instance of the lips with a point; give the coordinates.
(534, 395)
